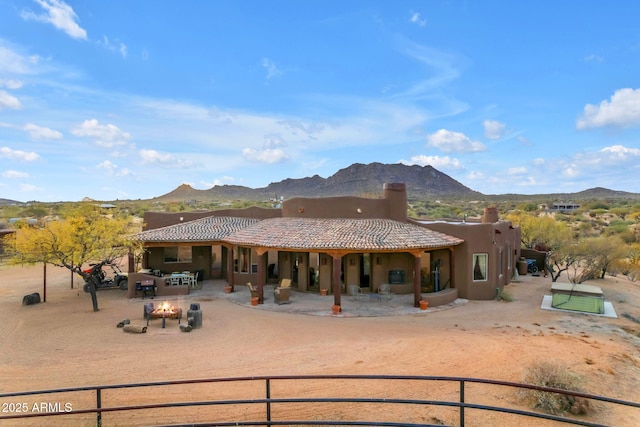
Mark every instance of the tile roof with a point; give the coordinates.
(350, 234)
(209, 229)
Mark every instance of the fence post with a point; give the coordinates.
(268, 384)
(461, 401)
(99, 406)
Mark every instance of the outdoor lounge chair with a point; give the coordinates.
(384, 291)
(356, 292)
(282, 293)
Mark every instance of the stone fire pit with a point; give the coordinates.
(163, 311)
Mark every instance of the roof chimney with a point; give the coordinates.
(490, 215)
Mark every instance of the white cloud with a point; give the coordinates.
(448, 142)
(163, 159)
(272, 69)
(9, 101)
(39, 133)
(105, 135)
(9, 153)
(217, 181)
(593, 58)
(520, 170)
(523, 140)
(623, 110)
(476, 176)
(267, 155)
(620, 153)
(11, 174)
(493, 129)
(113, 169)
(437, 162)
(60, 15)
(116, 46)
(271, 151)
(28, 188)
(417, 19)
(11, 84)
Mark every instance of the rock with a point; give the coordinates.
(123, 322)
(30, 299)
(135, 329)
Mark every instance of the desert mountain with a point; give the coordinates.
(357, 179)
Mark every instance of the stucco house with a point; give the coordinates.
(327, 244)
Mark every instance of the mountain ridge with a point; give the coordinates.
(364, 179)
(356, 179)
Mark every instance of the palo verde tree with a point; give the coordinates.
(83, 235)
(556, 237)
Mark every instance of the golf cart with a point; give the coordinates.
(115, 278)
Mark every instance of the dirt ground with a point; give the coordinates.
(63, 343)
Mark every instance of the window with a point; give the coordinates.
(177, 254)
(243, 262)
(480, 267)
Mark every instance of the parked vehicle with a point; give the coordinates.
(115, 278)
(532, 267)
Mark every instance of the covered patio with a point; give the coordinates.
(391, 246)
(303, 303)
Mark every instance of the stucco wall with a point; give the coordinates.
(392, 205)
(499, 240)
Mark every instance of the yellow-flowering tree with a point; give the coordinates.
(82, 236)
(555, 237)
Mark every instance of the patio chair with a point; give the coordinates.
(384, 291)
(282, 293)
(356, 292)
(254, 291)
(193, 280)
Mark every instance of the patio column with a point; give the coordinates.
(417, 265)
(261, 274)
(452, 269)
(335, 281)
(230, 266)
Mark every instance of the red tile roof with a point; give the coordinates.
(351, 234)
(303, 234)
(209, 229)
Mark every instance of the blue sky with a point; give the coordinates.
(129, 99)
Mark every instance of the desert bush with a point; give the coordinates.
(553, 375)
(504, 295)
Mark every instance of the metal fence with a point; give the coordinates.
(34, 404)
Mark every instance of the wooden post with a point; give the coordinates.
(416, 279)
(261, 276)
(44, 292)
(337, 266)
(230, 266)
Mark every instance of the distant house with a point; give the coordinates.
(564, 207)
(327, 244)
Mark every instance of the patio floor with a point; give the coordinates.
(311, 303)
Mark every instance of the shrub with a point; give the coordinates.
(553, 375)
(504, 295)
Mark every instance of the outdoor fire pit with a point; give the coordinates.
(163, 311)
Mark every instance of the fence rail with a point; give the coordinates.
(11, 409)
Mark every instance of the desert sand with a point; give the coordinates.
(63, 343)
